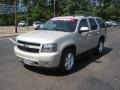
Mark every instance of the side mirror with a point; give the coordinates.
(84, 29)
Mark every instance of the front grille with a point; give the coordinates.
(28, 43)
(28, 49)
(28, 46)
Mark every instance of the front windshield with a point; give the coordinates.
(61, 25)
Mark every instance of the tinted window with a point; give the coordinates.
(101, 23)
(93, 24)
(83, 23)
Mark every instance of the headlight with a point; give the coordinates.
(52, 47)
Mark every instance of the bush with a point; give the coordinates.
(6, 20)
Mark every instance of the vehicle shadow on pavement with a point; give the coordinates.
(82, 61)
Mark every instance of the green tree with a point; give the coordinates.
(7, 1)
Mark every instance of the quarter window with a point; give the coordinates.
(93, 24)
(101, 23)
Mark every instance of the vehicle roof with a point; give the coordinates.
(75, 17)
(37, 22)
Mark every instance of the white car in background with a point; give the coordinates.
(108, 23)
(114, 23)
(37, 25)
(22, 24)
(111, 23)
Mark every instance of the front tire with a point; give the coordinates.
(67, 61)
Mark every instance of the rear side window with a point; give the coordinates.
(93, 24)
(101, 23)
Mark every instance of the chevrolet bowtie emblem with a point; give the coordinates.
(26, 46)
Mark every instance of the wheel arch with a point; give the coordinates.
(69, 46)
(72, 46)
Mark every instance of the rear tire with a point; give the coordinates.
(100, 47)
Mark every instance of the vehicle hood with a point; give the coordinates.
(42, 36)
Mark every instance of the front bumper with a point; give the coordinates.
(38, 59)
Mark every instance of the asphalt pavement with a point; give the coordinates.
(91, 73)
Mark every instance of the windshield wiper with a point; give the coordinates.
(58, 29)
(44, 28)
(54, 29)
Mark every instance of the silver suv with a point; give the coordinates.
(60, 40)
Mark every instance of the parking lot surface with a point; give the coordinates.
(91, 73)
